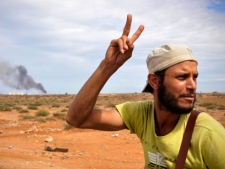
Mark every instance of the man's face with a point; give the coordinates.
(177, 93)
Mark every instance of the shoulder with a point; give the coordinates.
(210, 135)
(136, 106)
(207, 122)
(136, 114)
(208, 130)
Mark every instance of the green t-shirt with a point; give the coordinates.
(207, 149)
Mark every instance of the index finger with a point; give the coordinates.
(136, 34)
(127, 26)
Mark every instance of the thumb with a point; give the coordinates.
(130, 47)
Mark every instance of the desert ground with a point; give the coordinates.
(31, 125)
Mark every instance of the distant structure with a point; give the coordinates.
(15, 93)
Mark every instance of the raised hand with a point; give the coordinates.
(81, 112)
(120, 50)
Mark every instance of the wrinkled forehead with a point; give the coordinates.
(188, 66)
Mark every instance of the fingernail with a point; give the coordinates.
(122, 51)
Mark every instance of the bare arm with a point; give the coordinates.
(81, 112)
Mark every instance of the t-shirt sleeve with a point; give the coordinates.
(136, 115)
(214, 148)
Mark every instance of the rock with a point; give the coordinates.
(49, 139)
(48, 148)
(114, 135)
(61, 149)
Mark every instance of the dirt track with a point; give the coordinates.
(22, 142)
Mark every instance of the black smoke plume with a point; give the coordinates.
(17, 77)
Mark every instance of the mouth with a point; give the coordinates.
(189, 97)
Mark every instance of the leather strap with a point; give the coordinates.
(186, 139)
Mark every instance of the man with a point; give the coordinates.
(159, 124)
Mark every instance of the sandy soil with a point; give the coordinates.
(23, 142)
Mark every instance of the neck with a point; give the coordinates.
(165, 121)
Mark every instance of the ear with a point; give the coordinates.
(153, 81)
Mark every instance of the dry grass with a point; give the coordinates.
(54, 107)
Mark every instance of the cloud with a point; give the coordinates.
(71, 37)
(220, 79)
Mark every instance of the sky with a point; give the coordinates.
(53, 46)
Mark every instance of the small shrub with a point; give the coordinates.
(50, 119)
(64, 110)
(212, 106)
(60, 115)
(42, 113)
(97, 107)
(32, 107)
(111, 105)
(40, 119)
(68, 127)
(205, 104)
(221, 107)
(17, 108)
(37, 104)
(26, 117)
(208, 105)
(5, 108)
(56, 105)
(23, 111)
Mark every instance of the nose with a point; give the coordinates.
(191, 83)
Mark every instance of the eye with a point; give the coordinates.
(196, 76)
(182, 77)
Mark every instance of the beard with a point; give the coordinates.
(170, 102)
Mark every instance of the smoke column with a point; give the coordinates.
(17, 77)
